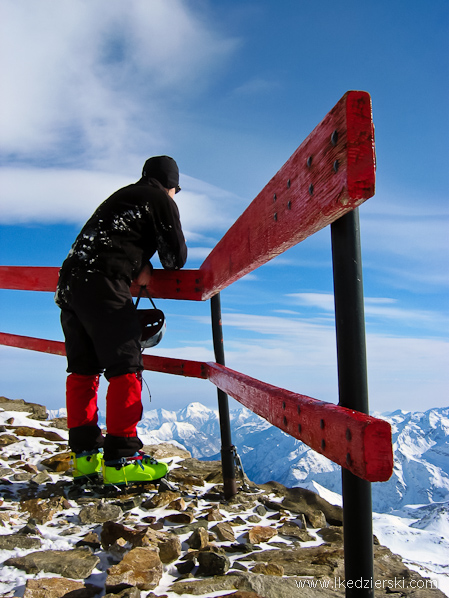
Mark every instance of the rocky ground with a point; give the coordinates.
(180, 537)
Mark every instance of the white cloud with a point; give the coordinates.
(53, 195)
(99, 75)
(380, 308)
(62, 195)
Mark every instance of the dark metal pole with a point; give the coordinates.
(227, 449)
(353, 394)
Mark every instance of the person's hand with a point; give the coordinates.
(144, 276)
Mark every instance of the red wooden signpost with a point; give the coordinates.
(323, 183)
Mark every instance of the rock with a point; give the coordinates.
(13, 541)
(112, 531)
(119, 549)
(242, 594)
(165, 450)
(43, 510)
(59, 422)
(37, 433)
(100, 513)
(91, 540)
(260, 510)
(316, 519)
(316, 561)
(206, 586)
(224, 532)
(57, 463)
(161, 499)
(4, 471)
(30, 467)
(127, 593)
(208, 471)
(254, 519)
(40, 478)
(22, 476)
(331, 534)
(273, 586)
(268, 569)
(214, 514)
(169, 549)
(55, 587)
(260, 533)
(183, 518)
(77, 563)
(184, 529)
(211, 563)
(300, 500)
(186, 566)
(184, 479)
(199, 539)
(294, 531)
(140, 567)
(7, 439)
(30, 529)
(35, 410)
(179, 504)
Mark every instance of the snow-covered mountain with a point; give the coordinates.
(420, 442)
(421, 452)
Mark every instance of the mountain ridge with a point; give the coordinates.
(420, 444)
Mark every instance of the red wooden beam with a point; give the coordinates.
(166, 365)
(178, 367)
(332, 172)
(29, 278)
(358, 442)
(165, 284)
(34, 344)
(353, 440)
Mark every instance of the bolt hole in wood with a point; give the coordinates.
(334, 137)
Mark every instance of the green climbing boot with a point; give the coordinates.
(131, 470)
(87, 464)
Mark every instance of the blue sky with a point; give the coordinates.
(230, 90)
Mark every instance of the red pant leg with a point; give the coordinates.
(124, 404)
(81, 400)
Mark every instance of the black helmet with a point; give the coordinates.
(153, 326)
(152, 322)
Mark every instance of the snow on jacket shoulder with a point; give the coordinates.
(126, 230)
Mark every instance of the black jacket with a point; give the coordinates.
(124, 233)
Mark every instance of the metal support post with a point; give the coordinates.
(353, 394)
(227, 449)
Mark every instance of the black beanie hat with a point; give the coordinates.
(164, 169)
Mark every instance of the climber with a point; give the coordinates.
(100, 323)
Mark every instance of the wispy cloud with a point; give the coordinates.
(379, 308)
(300, 354)
(88, 74)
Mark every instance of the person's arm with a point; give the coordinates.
(144, 276)
(171, 245)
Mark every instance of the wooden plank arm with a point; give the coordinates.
(353, 440)
(164, 284)
(332, 172)
(356, 441)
